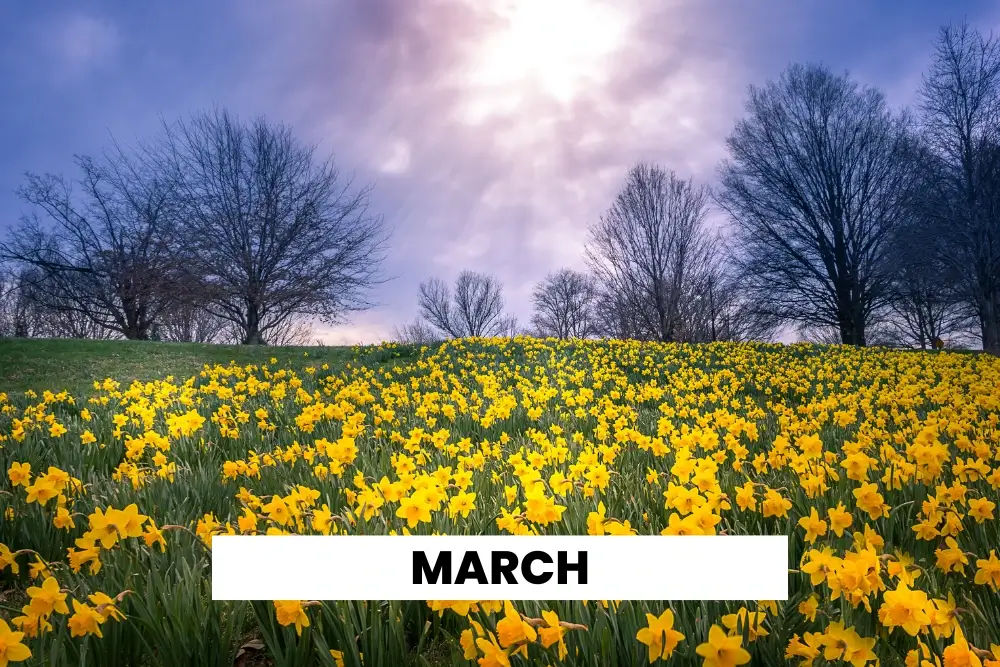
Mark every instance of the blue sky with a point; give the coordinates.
(495, 130)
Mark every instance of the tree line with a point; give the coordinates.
(218, 230)
(845, 219)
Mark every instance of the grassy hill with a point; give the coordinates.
(58, 364)
(492, 437)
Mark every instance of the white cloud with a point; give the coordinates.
(396, 158)
(81, 43)
(365, 329)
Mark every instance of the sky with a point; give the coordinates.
(494, 132)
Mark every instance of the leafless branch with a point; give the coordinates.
(564, 305)
(647, 254)
(272, 233)
(815, 181)
(474, 308)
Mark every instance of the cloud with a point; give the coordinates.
(82, 43)
(491, 148)
(396, 158)
(366, 328)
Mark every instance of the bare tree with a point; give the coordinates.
(6, 294)
(435, 306)
(719, 309)
(564, 305)
(879, 333)
(273, 233)
(19, 316)
(923, 311)
(296, 332)
(66, 323)
(960, 105)
(927, 303)
(54, 309)
(106, 255)
(615, 317)
(474, 308)
(817, 174)
(417, 332)
(509, 327)
(192, 322)
(29, 312)
(647, 253)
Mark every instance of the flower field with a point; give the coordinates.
(883, 466)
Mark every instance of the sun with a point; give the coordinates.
(555, 47)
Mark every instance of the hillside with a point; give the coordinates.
(57, 364)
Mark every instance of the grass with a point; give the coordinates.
(73, 365)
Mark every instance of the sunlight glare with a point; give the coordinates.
(553, 46)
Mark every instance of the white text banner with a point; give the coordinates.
(502, 567)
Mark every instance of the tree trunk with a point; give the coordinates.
(135, 329)
(990, 324)
(136, 332)
(852, 328)
(254, 338)
(252, 332)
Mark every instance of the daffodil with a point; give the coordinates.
(11, 647)
(291, 612)
(722, 650)
(659, 635)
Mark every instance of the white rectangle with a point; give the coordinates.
(381, 567)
